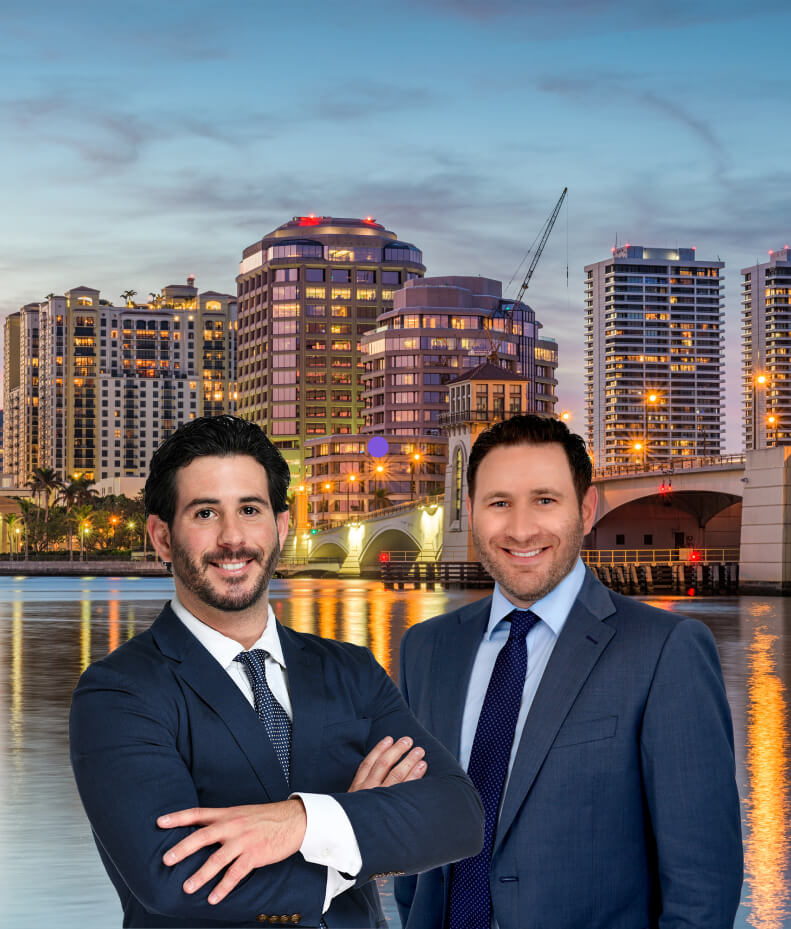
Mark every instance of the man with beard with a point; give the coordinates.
(595, 728)
(236, 772)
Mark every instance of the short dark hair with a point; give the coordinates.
(532, 429)
(212, 435)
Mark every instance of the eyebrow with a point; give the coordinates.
(211, 501)
(534, 492)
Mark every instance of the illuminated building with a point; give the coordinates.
(21, 393)
(114, 381)
(308, 292)
(653, 356)
(766, 351)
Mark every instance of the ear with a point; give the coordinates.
(468, 504)
(159, 533)
(281, 521)
(590, 504)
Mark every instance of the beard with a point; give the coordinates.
(193, 576)
(526, 586)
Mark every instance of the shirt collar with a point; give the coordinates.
(553, 609)
(223, 648)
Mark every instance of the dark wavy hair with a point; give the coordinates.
(532, 429)
(212, 435)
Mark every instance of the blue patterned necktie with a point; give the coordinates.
(270, 712)
(470, 893)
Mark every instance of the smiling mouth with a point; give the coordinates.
(527, 554)
(231, 567)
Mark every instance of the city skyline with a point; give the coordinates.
(148, 143)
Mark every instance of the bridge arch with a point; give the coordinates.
(390, 539)
(331, 549)
(674, 519)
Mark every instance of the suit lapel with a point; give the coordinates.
(579, 646)
(204, 675)
(452, 661)
(307, 689)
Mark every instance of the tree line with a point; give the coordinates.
(68, 519)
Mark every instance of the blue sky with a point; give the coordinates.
(146, 141)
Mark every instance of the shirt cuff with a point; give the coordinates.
(330, 841)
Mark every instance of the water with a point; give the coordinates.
(50, 629)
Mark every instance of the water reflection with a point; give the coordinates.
(50, 629)
(767, 845)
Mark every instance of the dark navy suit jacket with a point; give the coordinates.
(158, 726)
(621, 811)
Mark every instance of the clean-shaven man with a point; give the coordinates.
(595, 728)
(222, 758)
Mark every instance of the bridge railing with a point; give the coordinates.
(385, 511)
(653, 556)
(668, 467)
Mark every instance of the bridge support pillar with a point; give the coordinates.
(765, 553)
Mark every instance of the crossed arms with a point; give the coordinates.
(127, 742)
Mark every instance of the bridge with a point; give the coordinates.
(737, 503)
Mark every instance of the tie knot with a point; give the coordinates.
(522, 621)
(254, 659)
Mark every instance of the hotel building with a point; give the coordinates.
(308, 292)
(766, 351)
(653, 356)
(110, 383)
(437, 329)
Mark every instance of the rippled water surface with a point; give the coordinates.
(50, 629)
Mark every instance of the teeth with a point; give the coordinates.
(231, 565)
(525, 554)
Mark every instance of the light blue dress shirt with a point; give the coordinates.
(553, 611)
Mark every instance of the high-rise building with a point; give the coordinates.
(110, 383)
(307, 292)
(766, 351)
(653, 356)
(437, 327)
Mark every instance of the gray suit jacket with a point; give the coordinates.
(621, 811)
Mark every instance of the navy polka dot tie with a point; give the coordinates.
(270, 712)
(470, 893)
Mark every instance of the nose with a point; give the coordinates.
(230, 534)
(522, 524)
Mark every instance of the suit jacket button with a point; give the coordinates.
(262, 918)
(285, 919)
(295, 918)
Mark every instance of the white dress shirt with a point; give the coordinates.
(329, 837)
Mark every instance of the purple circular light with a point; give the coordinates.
(378, 447)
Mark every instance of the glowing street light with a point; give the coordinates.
(352, 479)
(759, 382)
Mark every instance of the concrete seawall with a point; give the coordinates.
(82, 568)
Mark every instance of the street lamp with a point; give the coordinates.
(760, 380)
(414, 467)
(650, 399)
(771, 422)
(352, 479)
(565, 416)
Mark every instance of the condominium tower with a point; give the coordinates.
(307, 292)
(653, 356)
(766, 351)
(92, 389)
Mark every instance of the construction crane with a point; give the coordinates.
(542, 237)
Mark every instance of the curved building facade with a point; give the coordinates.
(308, 292)
(437, 328)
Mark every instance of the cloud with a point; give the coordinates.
(561, 18)
(613, 87)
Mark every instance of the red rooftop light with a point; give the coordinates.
(309, 220)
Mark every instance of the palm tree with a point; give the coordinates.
(381, 499)
(11, 520)
(76, 492)
(127, 295)
(80, 516)
(45, 482)
(26, 507)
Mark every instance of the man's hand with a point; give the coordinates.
(389, 763)
(249, 837)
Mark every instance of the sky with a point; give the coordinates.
(145, 141)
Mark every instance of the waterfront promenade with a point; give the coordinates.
(51, 628)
